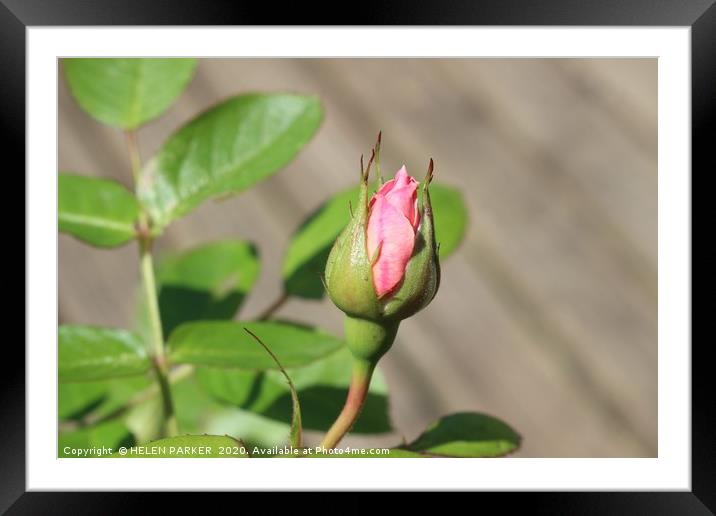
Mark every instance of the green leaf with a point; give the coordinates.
(296, 433)
(226, 150)
(74, 400)
(190, 446)
(89, 353)
(127, 93)
(305, 259)
(322, 387)
(122, 390)
(307, 253)
(146, 420)
(259, 431)
(198, 413)
(226, 344)
(467, 434)
(97, 211)
(77, 400)
(194, 407)
(450, 215)
(209, 282)
(95, 441)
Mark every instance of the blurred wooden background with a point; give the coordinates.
(547, 314)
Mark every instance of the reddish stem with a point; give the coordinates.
(357, 393)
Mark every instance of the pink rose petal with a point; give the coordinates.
(402, 192)
(390, 229)
(405, 200)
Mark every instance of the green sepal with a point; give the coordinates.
(349, 277)
(422, 274)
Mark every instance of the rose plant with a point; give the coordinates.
(190, 374)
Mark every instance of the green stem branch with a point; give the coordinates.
(150, 295)
(159, 360)
(149, 286)
(273, 307)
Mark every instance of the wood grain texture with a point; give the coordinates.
(546, 316)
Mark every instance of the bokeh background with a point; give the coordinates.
(547, 314)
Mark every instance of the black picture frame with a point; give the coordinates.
(17, 15)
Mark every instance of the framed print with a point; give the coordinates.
(452, 236)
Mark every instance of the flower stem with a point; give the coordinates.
(357, 393)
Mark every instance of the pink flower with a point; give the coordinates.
(384, 266)
(392, 224)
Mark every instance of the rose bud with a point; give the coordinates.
(404, 289)
(382, 269)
